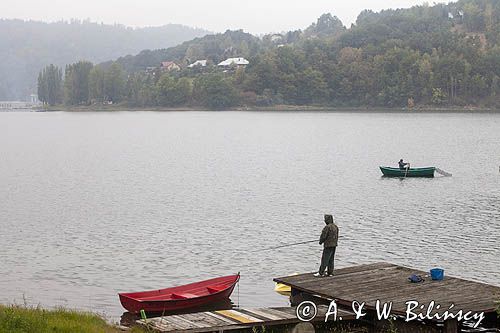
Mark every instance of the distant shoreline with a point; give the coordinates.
(276, 108)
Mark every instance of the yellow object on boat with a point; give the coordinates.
(283, 289)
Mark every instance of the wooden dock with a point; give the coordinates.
(230, 320)
(389, 283)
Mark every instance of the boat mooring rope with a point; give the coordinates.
(444, 173)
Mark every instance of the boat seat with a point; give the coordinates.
(182, 295)
(215, 289)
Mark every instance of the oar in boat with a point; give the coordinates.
(407, 168)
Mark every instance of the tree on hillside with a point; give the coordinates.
(50, 85)
(451, 75)
(76, 83)
(114, 83)
(172, 91)
(141, 90)
(473, 17)
(311, 87)
(327, 25)
(97, 84)
(215, 92)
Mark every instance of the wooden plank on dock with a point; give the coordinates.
(158, 324)
(239, 316)
(188, 321)
(283, 313)
(264, 314)
(205, 319)
(176, 321)
(227, 320)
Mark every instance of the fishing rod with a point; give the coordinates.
(286, 245)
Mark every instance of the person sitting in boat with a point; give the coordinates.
(329, 238)
(403, 165)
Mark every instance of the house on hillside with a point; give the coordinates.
(198, 63)
(238, 62)
(168, 66)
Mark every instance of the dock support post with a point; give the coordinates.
(451, 326)
(298, 297)
(372, 323)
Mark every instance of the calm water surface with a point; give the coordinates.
(92, 204)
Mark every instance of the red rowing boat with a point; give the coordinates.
(182, 297)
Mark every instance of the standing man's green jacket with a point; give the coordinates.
(330, 235)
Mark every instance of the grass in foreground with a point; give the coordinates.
(18, 319)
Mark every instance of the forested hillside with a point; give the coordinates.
(212, 47)
(27, 46)
(441, 55)
(218, 47)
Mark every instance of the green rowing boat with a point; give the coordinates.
(412, 172)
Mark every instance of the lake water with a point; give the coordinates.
(92, 204)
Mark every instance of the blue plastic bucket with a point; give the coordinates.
(437, 274)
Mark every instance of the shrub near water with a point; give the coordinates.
(16, 319)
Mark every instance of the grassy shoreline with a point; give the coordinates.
(22, 319)
(277, 108)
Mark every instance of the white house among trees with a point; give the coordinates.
(201, 63)
(234, 62)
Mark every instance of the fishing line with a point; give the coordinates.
(285, 245)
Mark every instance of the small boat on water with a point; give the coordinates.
(182, 297)
(411, 172)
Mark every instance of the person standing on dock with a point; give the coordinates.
(329, 238)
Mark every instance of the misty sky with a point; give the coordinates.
(255, 16)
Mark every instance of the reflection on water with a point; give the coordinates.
(92, 204)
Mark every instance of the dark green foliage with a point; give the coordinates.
(97, 84)
(141, 90)
(326, 26)
(84, 84)
(76, 83)
(214, 91)
(107, 85)
(172, 91)
(114, 83)
(50, 85)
